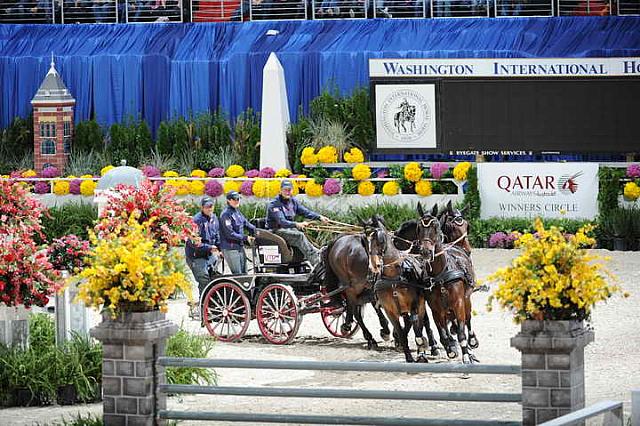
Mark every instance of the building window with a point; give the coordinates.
(48, 147)
(67, 128)
(67, 145)
(48, 130)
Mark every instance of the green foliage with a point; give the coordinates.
(609, 182)
(80, 420)
(71, 218)
(222, 156)
(211, 131)
(130, 141)
(327, 132)
(16, 146)
(88, 137)
(185, 344)
(254, 210)
(472, 196)
(82, 162)
(42, 332)
(174, 137)
(621, 222)
(298, 138)
(246, 139)
(319, 174)
(159, 160)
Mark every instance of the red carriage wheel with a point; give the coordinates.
(278, 314)
(226, 312)
(334, 318)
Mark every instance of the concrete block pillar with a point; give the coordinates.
(14, 326)
(552, 368)
(132, 344)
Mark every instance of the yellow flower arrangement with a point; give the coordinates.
(391, 188)
(554, 278)
(29, 173)
(61, 187)
(461, 171)
(366, 188)
(313, 189)
(170, 173)
(86, 177)
(235, 171)
(423, 188)
(361, 172)
(88, 187)
(105, 169)
(328, 154)
(196, 187)
(231, 185)
(129, 266)
(274, 188)
(308, 156)
(283, 173)
(412, 172)
(631, 191)
(354, 155)
(261, 188)
(182, 187)
(198, 173)
(299, 182)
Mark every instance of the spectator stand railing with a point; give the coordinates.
(584, 7)
(341, 9)
(272, 10)
(90, 11)
(401, 9)
(460, 8)
(628, 7)
(27, 11)
(218, 10)
(524, 8)
(142, 11)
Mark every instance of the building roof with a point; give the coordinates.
(52, 89)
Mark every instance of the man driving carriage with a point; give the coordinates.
(281, 214)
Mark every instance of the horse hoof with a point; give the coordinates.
(385, 336)
(372, 345)
(410, 359)
(473, 359)
(452, 353)
(473, 342)
(422, 359)
(435, 351)
(345, 328)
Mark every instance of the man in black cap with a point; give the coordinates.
(232, 238)
(204, 257)
(281, 214)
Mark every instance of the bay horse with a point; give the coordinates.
(450, 297)
(399, 295)
(346, 264)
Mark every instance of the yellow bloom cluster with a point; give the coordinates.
(366, 188)
(361, 172)
(553, 278)
(231, 185)
(198, 173)
(328, 154)
(265, 188)
(105, 169)
(300, 183)
(354, 155)
(61, 187)
(308, 156)
(182, 187)
(196, 187)
(423, 188)
(413, 172)
(283, 173)
(235, 171)
(313, 189)
(631, 191)
(129, 267)
(88, 187)
(391, 188)
(170, 173)
(461, 171)
(29, 173)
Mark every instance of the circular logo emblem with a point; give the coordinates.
(406, 116)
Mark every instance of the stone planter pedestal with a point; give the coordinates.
(552, 368)
(14, 326)
(130, 376)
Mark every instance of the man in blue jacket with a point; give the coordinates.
(281, 214)
(201, 258)
(232, 238)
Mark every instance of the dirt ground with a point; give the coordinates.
(612, 363)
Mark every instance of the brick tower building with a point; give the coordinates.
(52, 122)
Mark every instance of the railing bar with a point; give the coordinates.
(343, 393)
(340, 366)
(585, 413)
(329, 420)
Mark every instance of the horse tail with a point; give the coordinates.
(330, 278)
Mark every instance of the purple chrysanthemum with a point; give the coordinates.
(438, 169)
(213, 188)
(633, 171)
(50, 172)
(42, 188)
(16, 174)
(253, 173)
(267, 172)
(247, 188)
(331, 187)
(216, 172)
(381, 174)
(151, 171)
(74, 186)
(497, 239)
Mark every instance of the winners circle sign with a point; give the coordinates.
(405, 116)
(565, 190)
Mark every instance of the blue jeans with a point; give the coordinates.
(237, 261)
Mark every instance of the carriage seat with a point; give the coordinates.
(287, 254)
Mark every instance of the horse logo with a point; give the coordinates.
(569, 184)
(407, 114)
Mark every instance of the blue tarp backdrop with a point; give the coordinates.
(159, 71)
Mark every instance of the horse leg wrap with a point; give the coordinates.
(419, 342)
(463, 343)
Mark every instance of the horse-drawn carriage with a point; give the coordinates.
(278, 291)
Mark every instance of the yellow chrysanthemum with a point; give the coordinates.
(328, 154)
(461, 171)
(308, 156)
(170, 173)
(274, 188)
(88, 187)
(391, 188)
(198, 173)
(231, 185)
(196, 187)
(301, 183)
(631, 191)
(361, 172)
(366, 188)
(29, 173)
(261, 188)
(412, 172)
(61, 187)
(181, 186)
(354, 155)
(105, 169)
(283, 173)
(423, 188)
(86, 176)
(235, 171)
(313, 189)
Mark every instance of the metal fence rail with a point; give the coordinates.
(334, 393)
(611, 409)
(266, 10)
(628, 7)
(218, 10)
(584, 7)
(87, 11)
(138, 11)
(527, 8)
(27, 11)
(460, 8)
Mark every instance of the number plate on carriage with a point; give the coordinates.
(271, 254)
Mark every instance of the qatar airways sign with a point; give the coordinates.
(548, 190)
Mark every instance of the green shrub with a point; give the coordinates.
(186, 345)
(88, 137)
(42, 332)
(246, 139)
(130, 141)
(72, 218)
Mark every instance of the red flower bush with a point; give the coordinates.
(68, 252)
(19, 213)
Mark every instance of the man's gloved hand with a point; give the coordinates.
(251, 240)
(302, 225)
(324, 219)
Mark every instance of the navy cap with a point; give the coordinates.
(207, 201)
(233, 195)
(286, 184)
